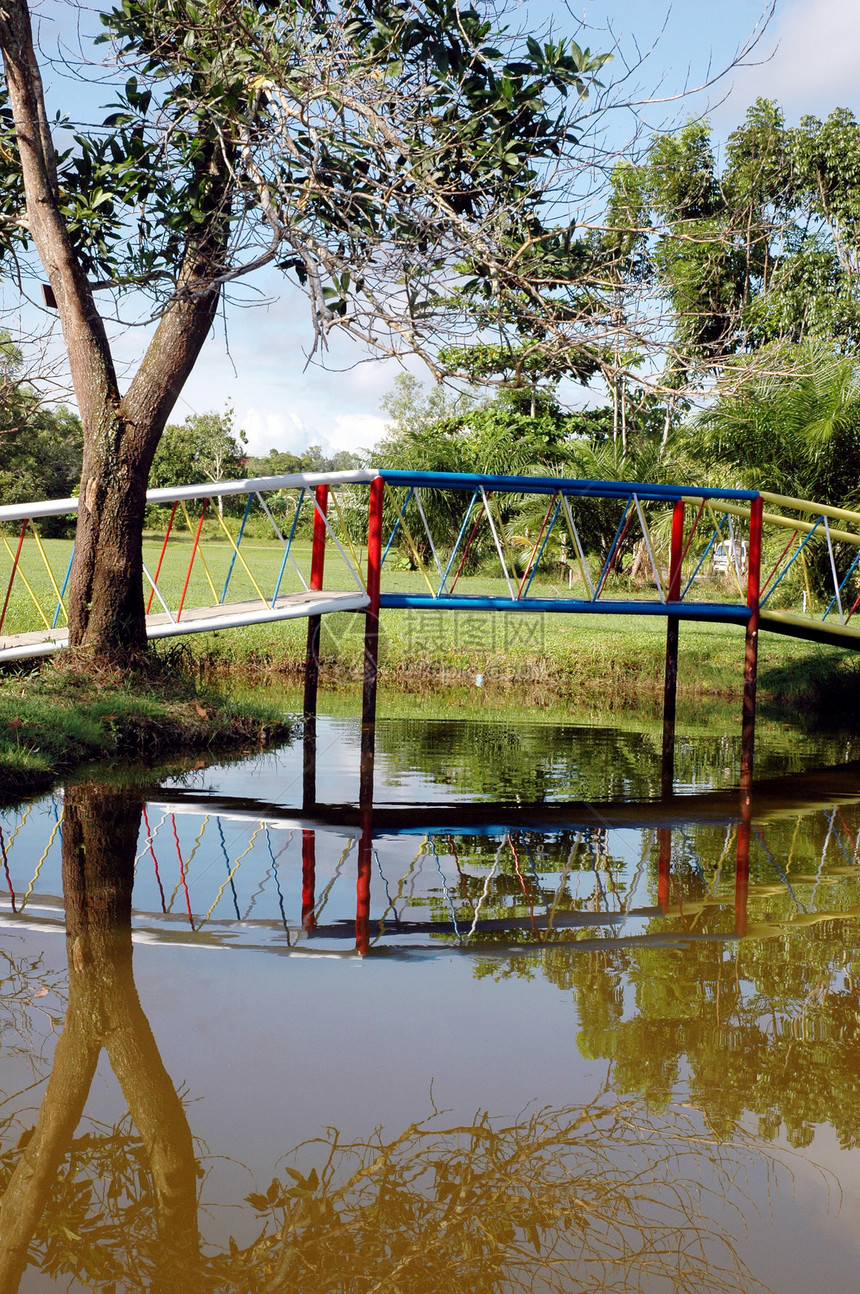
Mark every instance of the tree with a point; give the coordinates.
(791, 417)
(100, 832)
(40, 446)
(438, 431)
(41, 459)
(365, 145)
(411, 407)
(523, 429)
(516, 430)
(14, 404)
(762, 250)
(277, 462)
(519, 366)
(203, 447)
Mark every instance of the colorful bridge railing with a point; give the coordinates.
(197, 577)
(526, 565)
(808, 554)
(535, 538)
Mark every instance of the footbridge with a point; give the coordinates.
(235, 553)
(472, 542)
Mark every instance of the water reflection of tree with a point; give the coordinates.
(534, 761)
(770, 1024)
(595, 1197)
(29, 990)
(526, 761)
(43, 1191)
(785, 1050)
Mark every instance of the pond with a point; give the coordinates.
(524, 1027)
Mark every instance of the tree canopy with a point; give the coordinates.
(371, 148)
(760, 248)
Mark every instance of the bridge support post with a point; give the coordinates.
(312, 654)
(751, 651)
(742, 868)
(670, 680)
(371, 643)
(664, 867)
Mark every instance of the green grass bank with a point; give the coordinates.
(589, 658)
(58, 718)
(580, 654)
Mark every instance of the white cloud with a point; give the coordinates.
(271, 428)
(268, 428)
(814, 67)
(356, 431)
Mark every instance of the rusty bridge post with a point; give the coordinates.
(670, 680)
(362, 884)
(312, 653)
(664, 867)
(751, 651)
(371, 642)
(742, 868)
(309, 862)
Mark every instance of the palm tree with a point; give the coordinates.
(787, 420)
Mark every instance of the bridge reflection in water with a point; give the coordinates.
(499, 880)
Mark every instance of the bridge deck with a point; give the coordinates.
(231, 615)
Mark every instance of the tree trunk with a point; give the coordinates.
(121, 433)
(100, 832)
(106, 605)
(106, 600)
(29, 1187)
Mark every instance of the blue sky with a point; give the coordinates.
(807, 59)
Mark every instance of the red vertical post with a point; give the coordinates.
(14, 569)
(194, 548)
(318, 547)
(362, 886)
(742, 871)
(371, 642)
(751, 651)
(309, 862)
(664, 867)
(161, 555)
(312, 652)
(670, 679)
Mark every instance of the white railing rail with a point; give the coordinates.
(204, 490)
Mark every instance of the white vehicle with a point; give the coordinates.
(730, 550)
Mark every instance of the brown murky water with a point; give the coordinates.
(523, 1030)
